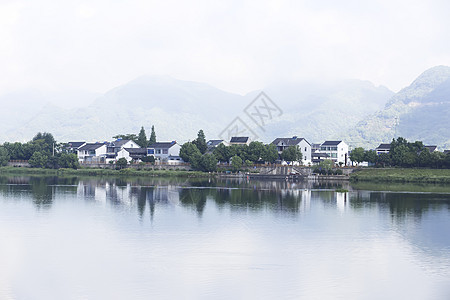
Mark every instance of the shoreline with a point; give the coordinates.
(400, 175)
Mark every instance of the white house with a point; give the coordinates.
(115, 147)
(131, 154)
(337, 151)
(303, 145)
(165, 151)
(212, 144)
(92, 152)
(383, 148)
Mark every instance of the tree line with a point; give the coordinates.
(403, 154)
(238, 156)
(42, 151)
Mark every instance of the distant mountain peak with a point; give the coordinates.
(424, 84)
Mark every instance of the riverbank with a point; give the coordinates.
(103, 172)
(401, 175)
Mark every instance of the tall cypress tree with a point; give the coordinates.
(200, 141)
(152, 136)
(142, 138)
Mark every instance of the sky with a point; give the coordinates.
(238, 46)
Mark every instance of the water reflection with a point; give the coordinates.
(241, 239)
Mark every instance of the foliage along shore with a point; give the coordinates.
(103, 172)
(401, 175)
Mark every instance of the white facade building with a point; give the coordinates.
(92, 152)
(303, 145)
(165, 152)
(336, 150)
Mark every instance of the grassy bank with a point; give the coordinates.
(402, 175)
(103, 172)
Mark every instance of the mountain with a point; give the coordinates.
(178, 109)
(420, 111)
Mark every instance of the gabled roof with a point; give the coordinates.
(119, 143)
(75, 144)
(331, 143)
(384, 147)
(431, 148)
(91, 146)
(289, 141)
(239, 139)
(213, 143)
(162, 145)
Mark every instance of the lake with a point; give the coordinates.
(143, 238)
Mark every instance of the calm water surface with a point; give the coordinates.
(87, 238)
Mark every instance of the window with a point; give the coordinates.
(305, 149)
(150, 151)
(165, 151)
(333, 155)
(158, 151)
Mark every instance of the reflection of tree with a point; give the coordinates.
(195, 198)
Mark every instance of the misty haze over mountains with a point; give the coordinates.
(353, 110)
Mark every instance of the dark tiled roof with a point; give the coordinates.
(318, 154)
(136, 150)
(288, 141)
(213, 143)
(162, 145)
(384, 147)
(431, 148)
(119, 143)
(331, 143)
(91, 146)
(239, 139)
(75, 144)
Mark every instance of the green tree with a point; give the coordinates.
(357, 155)
(189, 151)
(326, 166)
(152, 139)
(236, 163)
(208, 163)
(142, 138)
(200, 141)
(222, 153)
(255, 151)
(68, 160)
(4, 156)
(270, 153)
(148, 159)
(291, 154)
(38, 160)
(371, 156)
(121, 163)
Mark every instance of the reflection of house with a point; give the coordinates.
(305, 147)
(383, 148)
(165, 151)
(95, 153)
(337, 150)
(240, 140)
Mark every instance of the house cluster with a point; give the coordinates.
(168, 152)
(110, 152)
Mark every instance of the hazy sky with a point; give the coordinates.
(238, 46)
